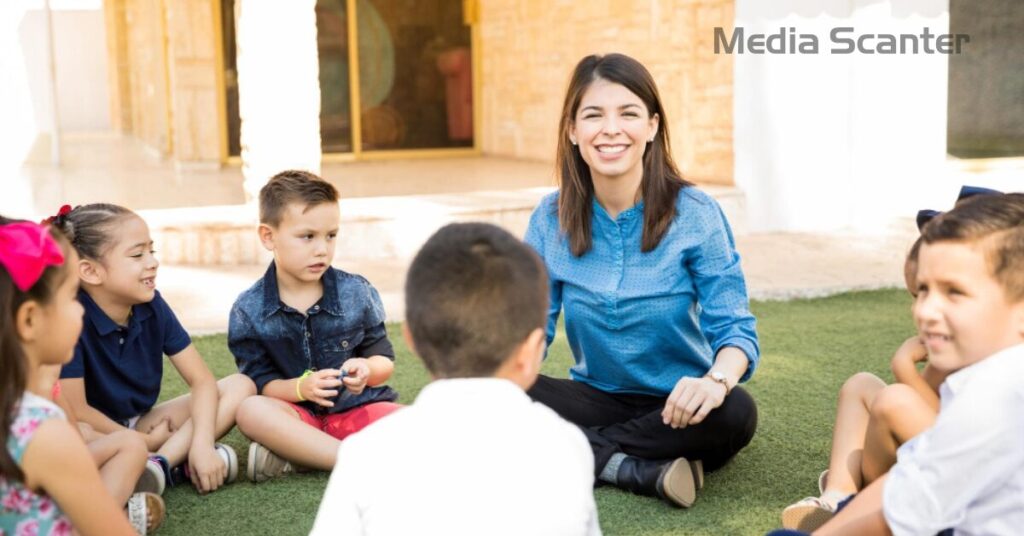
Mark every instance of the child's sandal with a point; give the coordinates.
(146, 512)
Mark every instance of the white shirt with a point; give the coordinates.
(967, 471)
(471, 456)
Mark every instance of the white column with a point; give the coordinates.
(278, 88)
(829, 141)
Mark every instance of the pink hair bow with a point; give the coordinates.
(26, 250)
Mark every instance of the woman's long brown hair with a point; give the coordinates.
(661, 178)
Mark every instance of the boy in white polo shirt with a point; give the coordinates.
(473, 455)
(966, 473)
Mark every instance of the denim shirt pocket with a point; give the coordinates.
(338, 347)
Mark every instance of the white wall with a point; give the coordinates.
(278, 88)
(25, 107)
(81, 59)
(825, 142)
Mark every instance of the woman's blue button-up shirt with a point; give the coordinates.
(638, 322)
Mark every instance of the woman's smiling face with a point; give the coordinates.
(612, 128)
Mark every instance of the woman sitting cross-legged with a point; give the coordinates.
(656, 310)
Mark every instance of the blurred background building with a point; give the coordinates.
(163, 104)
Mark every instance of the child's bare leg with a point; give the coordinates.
(276, 425)
(897, 414)
(121, 458)
(855, 398)
(89, 434)
(231, 391)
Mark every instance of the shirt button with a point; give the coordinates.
(344, 344)
(120, 341)
(307, 334)
(316, 307)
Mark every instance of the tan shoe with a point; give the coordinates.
(680, 481)
(146, 512)
(264, 464)
(807, 515)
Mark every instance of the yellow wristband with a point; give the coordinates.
(298, 385)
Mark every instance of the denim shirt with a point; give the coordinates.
(272, 341)
(638, 322)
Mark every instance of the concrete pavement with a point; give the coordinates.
(777, 266)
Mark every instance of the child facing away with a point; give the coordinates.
(872, 420)
(48, 481)
(966, 472)
(113, 381)
(310, 336)
(474, 454)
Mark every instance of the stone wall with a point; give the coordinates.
(168, 96)
(986, 82)
(529, 48)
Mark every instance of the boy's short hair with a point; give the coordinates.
(910, 267)
(473, 293)
(997, 223)
(293, 186)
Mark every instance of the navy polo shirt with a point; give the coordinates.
(122, 365)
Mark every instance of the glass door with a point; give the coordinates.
(396, 77)
(415, 74)
(335, 95)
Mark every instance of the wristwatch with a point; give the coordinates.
(719, 377)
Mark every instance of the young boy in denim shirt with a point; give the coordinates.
(310, 336)
(486, 459)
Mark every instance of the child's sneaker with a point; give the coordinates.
(264, 464)
(807, 515)
(153, 479)
(181, 473)
(146, 512)
(230, 461)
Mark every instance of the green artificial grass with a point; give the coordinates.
(809, 347)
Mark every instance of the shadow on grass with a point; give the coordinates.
(809, 348)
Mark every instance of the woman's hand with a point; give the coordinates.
(691, 400)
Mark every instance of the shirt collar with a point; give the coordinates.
(271, 296)
(330, 302)
(632, 212)
(103, 323)
(956, 381)
(465, 390)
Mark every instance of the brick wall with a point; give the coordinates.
(529, 48)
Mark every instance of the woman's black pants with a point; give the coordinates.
(632, 424)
